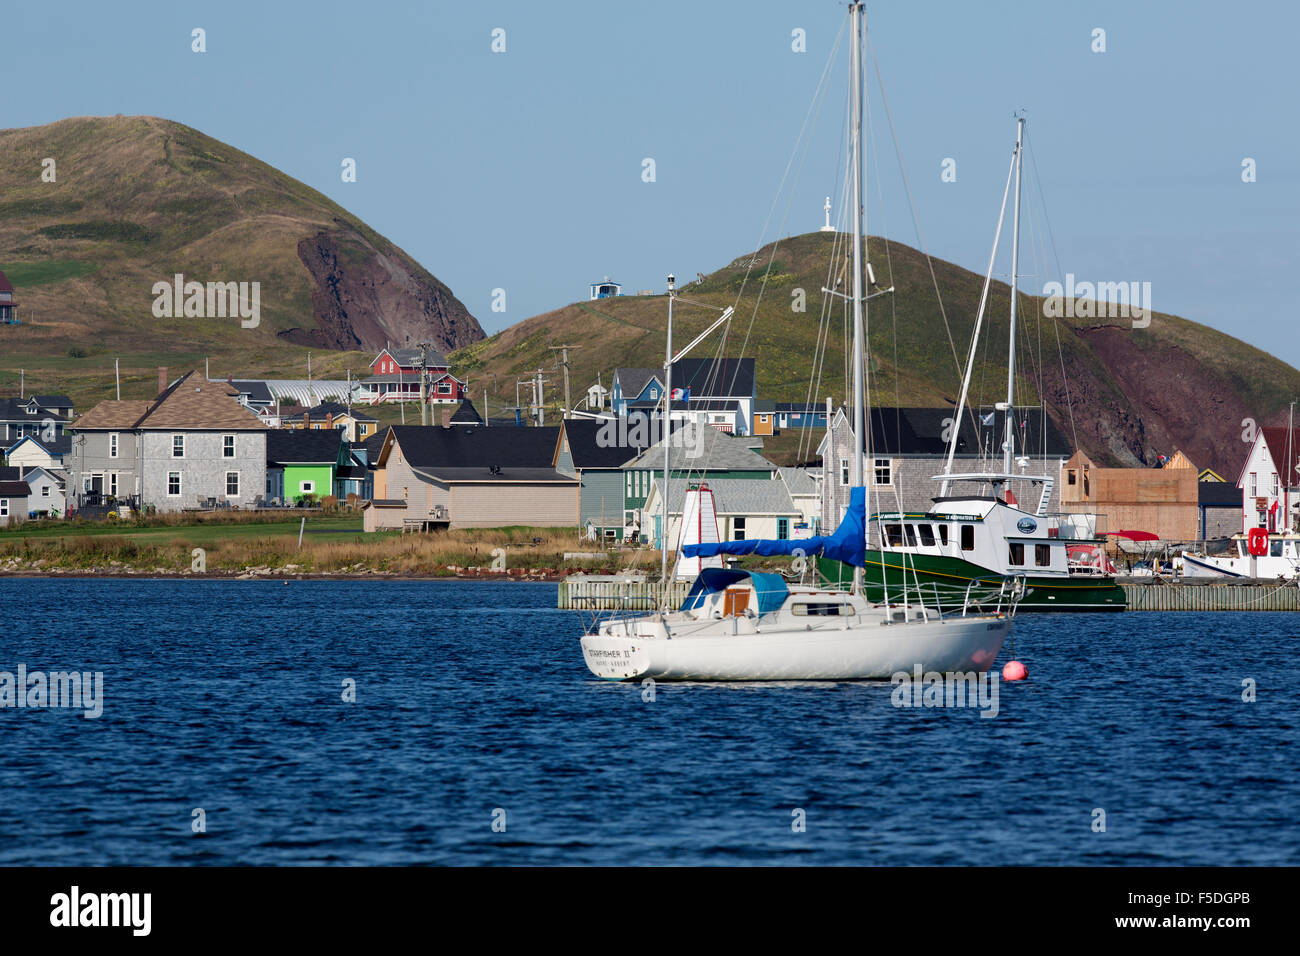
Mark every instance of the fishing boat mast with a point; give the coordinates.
(666, 432)
(1008, 447)
(859, 392)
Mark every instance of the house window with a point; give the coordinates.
(178, 446)
(227, 446)
(884, 471)
(1254, 485)
(1071, 477)
(783, 528)
(309, 487)
(112, 483)
(844, 471)
(1016, 552)
(232, 484)
(1043, 555)
(654, 393)
(968, 537)
(45, 491)
(738, 529)
(444, 388)
(173, 484)
(4, 507)
(112, 445)
(1274, 484)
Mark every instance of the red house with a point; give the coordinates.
(8, 306)
(395, 377)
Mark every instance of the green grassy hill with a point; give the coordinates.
(1125, 394)
(136, 200)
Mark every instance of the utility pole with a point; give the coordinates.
(485, 411)
(424, 384)
(564, 364)
(117, 377)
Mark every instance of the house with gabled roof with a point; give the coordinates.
(20, 417)
(193, 446)
(745, 509)
(32, 451)
(395, 377)
(1270, 480)
(47, 491)
(718, 391)
(592, 451)
(303, 463)
(469, 477)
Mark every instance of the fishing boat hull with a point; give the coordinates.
(947, 580)
(866, 652)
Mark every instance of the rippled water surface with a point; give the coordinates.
(227, 696)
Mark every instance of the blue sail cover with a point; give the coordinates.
(847, 544)
(770, 588)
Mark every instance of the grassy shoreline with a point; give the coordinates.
(332, 544)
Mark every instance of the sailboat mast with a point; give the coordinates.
(1008, 449)
(667, 431)
(859, 395)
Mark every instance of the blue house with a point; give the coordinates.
(800, 415)
(606, 290)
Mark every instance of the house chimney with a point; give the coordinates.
(306, 420)
(329, 420)
(162, 379)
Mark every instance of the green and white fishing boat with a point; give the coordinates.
(976, 534)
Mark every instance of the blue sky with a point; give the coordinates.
(522, 170)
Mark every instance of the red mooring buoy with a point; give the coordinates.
(1014, 670)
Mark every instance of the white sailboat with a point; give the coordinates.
(743, 626)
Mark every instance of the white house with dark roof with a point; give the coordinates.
(720, 392)
(47, 491)
(746, 509)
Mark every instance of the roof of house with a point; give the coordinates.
(805, 408)
(923, 432)
(410, 358)
(189, 403)
(713, 451)
(471, 453)
(734, 496)
(598, 443)
(58, 474)
(57, 446)
(257, 391)
(764, 405)
(634, 380)
(713, 377)
(320, 412)
(15, 409)
(303, 446)
(412, 378)
(1218, 494)
(53, 401)
(10, 473)
(113, 415)
(14, 489)
(799, 480)
(5, 284)
(466, 414)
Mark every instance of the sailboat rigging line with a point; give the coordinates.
(979, 320)
(911, 200)
(814, 110)
(1047, 221)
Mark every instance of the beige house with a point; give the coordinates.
(1163, 501)
(469, 477)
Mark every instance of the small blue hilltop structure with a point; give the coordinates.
(606, 290)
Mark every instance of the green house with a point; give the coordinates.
(302, 462)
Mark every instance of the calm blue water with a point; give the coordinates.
(470, 697)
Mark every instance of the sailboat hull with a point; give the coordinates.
(946, 580)
(864, 652)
